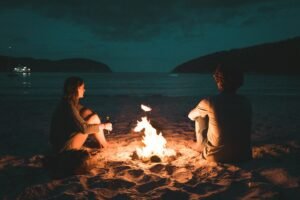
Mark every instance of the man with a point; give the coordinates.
(223, 121)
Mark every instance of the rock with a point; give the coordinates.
(155, 158)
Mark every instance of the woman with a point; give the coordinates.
(72, 123)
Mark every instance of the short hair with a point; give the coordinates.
(229, 78)
(71, 88)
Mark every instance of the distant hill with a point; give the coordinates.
(44, 65)
(272, 58)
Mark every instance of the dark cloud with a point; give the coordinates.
(139, 20)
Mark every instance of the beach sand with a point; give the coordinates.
(272, 174)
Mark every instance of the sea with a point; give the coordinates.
(142, 84)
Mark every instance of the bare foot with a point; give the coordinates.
(106, 145)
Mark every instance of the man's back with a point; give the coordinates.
(229, 128)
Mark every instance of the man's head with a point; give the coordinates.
(228, 78)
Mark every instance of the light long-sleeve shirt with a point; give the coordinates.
(229, 127)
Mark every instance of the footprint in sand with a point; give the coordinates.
(173, 194)
(203, 188)
(145, 178)
(120, 170)
(152, 185)
(113, 164)
(157, 168)
(182, 175)
(100, 171)
(170, 169)
(121, 196)
(114, 184)
(135, 173)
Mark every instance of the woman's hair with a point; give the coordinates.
(228, 78)
(71, 88)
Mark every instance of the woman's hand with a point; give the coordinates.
(108, 126)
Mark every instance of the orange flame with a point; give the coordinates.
(155, 144)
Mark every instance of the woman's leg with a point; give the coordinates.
(92, 118)
(76, 141)
(86, 113)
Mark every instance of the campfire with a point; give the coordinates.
(155, 143)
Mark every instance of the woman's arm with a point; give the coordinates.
(80, 124)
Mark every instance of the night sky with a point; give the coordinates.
(141, 35)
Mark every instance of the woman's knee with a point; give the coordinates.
(76, 142)
(94, 119)
(86, 113)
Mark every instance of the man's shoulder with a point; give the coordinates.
(205, 101)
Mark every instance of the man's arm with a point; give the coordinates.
(200, 110)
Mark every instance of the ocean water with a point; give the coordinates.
(142, 84)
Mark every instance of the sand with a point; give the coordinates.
(272, 174)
